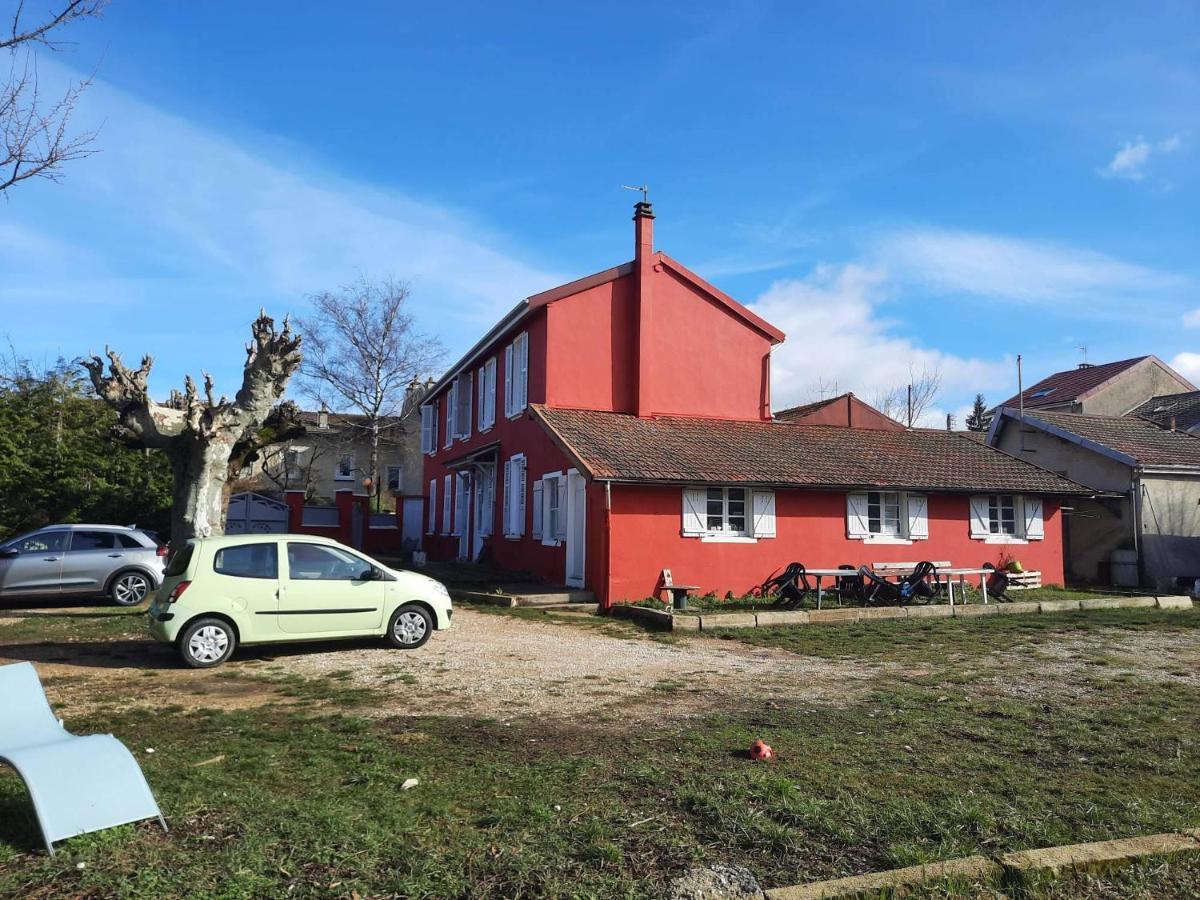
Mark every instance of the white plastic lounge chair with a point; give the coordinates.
(77, 784)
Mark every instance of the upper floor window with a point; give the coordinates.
(516, 375)
(395, 480)
(344, 471)
(486, 388)
(1001, 518)
(460, 405)
(429, 428)
(887, 516)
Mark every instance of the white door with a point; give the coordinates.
(485, 506)
(576, 527)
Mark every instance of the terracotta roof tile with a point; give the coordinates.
(1065, 387)
(1184, 407)
(1143, 441)
(688, 450)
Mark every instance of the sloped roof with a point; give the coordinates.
(1184, 407)
(622, 447)
(1140, 442)
(795, 412)
(1071, 385)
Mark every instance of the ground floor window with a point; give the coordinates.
(887, 516)
(1006, 517)
(726, 510)
(1002, 514)
(883, 513)
(728, 513)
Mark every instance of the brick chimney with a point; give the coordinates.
(643, 261)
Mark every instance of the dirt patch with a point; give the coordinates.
(486, 666)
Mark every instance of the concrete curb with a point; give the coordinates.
(1052, 861)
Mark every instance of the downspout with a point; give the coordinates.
(1136, 504)
(606, 600)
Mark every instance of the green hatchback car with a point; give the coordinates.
(256, 589)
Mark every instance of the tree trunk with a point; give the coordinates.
(376, 486)
(201, 495)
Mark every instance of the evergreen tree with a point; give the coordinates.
(59, 462)
(979, 420)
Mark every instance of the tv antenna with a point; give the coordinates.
(644, 188)
(1083, 350)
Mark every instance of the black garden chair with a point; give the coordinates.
(791, 585)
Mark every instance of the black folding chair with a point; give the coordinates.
(791, 585)
(997, 583)
(917, 586)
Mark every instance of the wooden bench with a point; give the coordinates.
(903, 568)
(1023, 581)
(678, 592)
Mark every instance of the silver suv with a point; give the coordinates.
(88, 560)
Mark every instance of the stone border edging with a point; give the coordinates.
(768, 618)
(1047, 860)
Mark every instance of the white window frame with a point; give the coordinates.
(553, 516)
(516, 375)
(447, 498)
(486, 400)
(337, 468)
(1028, 522)
(515, 478)
(758, 512)
(428, 429)
(387, 475)
(912, 510)
(461, 407)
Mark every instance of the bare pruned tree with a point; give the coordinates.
(362, 351)
(208, 441)
(895, 402)
(35, 131)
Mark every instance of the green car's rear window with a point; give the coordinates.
(179, 561)
(248, 561)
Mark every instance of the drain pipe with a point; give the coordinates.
(607, 600)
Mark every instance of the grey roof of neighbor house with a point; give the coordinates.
(1142, 443)
(674, 449)
(1185, 408)
(1071, 385)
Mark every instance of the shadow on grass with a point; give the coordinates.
(18, 824)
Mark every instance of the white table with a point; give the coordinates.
(818, 574)
(962, 574)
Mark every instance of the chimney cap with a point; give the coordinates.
(643, 210)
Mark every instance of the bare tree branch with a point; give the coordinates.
(34, 136)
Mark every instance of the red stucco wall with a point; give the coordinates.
(811, 528)
(592, 363)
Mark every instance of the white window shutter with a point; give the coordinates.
(468, 380)
(433, 428)
(560, 532)
(538, 508)
(432, 506)
(520, 505)
(506, 526)
(509, 381)
(918, 516)
(489, 413)
(857, 525)
(447, 488)
(481, 399)
(695, 510)
(764, 514)
(426, 429)
(1035, 528)
(451, 413)
(980, 527)
(523, 371)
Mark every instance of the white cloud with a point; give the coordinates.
(834, 311)
(1131, 159)
(1187, 365)
(1005, 268)
(1191, 319)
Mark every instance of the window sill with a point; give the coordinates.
(725, 538)
(1003, 539)
(546, 543)
(887, 539)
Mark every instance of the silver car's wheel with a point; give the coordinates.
(129, 589)
(206, 643)
(410, 627)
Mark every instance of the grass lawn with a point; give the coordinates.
(965, 741)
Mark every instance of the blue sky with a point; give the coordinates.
(894, 185)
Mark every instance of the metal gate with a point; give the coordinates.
(251, 513)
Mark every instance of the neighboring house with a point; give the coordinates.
(620, 424)
(1176, 412)
(846, 410)
(1105, 389)
(1147, 484)
(334, 455)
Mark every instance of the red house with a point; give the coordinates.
(620, 424)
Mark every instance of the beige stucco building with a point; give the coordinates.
(1147, 483)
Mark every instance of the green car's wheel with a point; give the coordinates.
(410, 627)
(207, 642)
